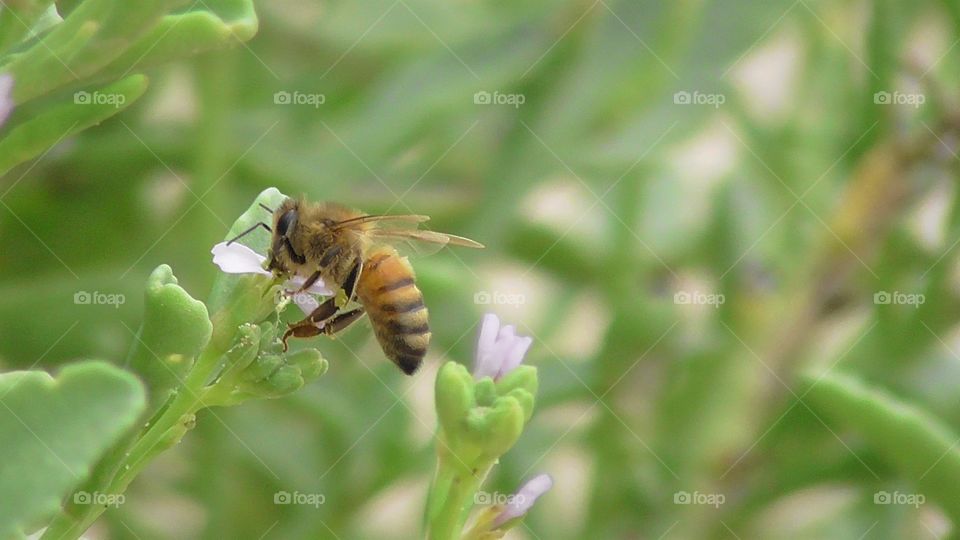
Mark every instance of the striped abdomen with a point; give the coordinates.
(393, 302)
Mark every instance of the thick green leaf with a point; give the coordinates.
(175, 329)
(912, 440)
(97, 32)
(17, 20)
(53, 430)
(37, 134)
(186, 34)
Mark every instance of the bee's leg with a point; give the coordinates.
(349, 285)
(342, 321)
(308, 326)
(300, 331)
(309, 282)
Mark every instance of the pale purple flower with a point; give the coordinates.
(499, 349)
(523, 499)
(6, 96)
(237, 258)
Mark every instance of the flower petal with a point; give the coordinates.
(484, 364)
(505, 339)
(238, 259)
(524, 498)
(318, 287)
(514, 355)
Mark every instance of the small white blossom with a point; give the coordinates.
(499, 349)
(524, 498)
(237, 258)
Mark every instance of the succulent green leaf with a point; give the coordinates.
(57, 428)
(262, 368)
(32, 137)
(91, 36)
(18, 20)
(310, 363)
(174, 331)
(912, 440)
(284, 380)
(496, 429)
(243, 352)
(523, 377)
(185, 34)
(454, 397)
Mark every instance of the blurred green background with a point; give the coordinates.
(678, 264)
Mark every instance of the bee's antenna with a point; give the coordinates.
(250, 230)
(267, 208)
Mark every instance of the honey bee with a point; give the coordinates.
(354, 252)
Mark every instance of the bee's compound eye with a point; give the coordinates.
(286, 222)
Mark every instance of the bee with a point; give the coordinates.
(354, 252)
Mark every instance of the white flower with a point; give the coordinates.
(523, 499)
(499, 349)
(237, 258)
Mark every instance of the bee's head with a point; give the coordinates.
(282, 249)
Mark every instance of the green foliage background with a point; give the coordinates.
(599, 199)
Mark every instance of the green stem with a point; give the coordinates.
(164, 433)
(451, 497)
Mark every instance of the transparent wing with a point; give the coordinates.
(401, 231)
(360, 221)
(421, 243)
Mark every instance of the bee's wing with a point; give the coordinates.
(359, 221)
(401, 231)
(417, 238)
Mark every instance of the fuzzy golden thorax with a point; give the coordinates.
(306, 240)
